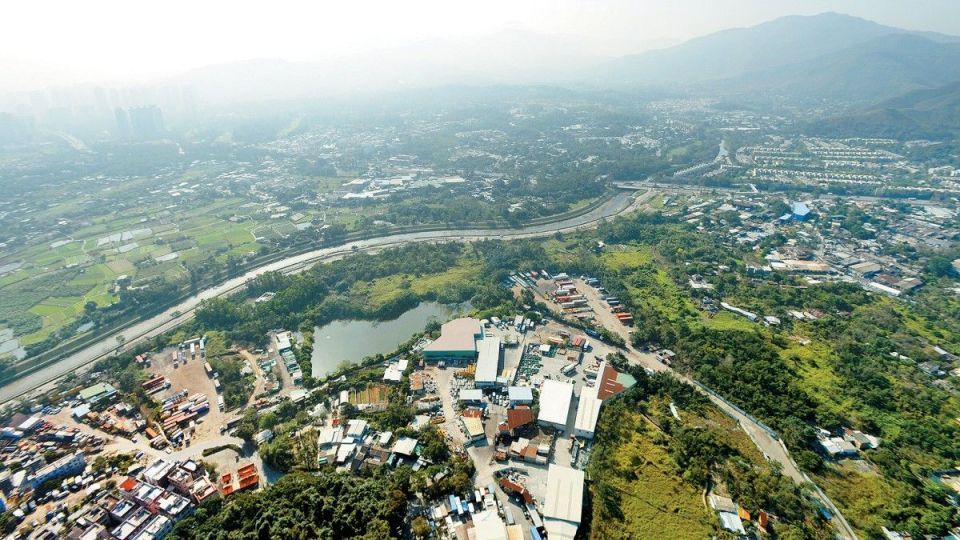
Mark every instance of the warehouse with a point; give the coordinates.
(611, 382)
(555, 397)
(588, 412)
(457, 341)
(487, 525)
(520, 395)
(98, 392)
(488, 363)
(563, 503)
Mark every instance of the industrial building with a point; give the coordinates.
(563, 503)
(98, 392)
(610, 382)
(588, 412)
(520, 395)
(487, 525)
(555, 398)
(488, 363)
(457, 341)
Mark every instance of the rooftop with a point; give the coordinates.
(458, 335)
(555, 397)
(588, 410)
(563, 503)
(488, 362)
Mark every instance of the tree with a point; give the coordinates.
(419, 527)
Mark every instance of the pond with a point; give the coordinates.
(352, 341)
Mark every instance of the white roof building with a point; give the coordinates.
(330, 436)
(405, 446)
(345, 452)
(731, 522)
(520, 395)
(283, 341)
(488, 362)
(487, 525)
(563, 503)
(588, 412)
(357, 429)
(471, 394)
(555, 397)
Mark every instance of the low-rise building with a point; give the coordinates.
(555, 398)
(563, 502)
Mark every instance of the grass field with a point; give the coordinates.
(864, 497)
(724, 320)
(654, 500)
(381, 291)
(624, 257)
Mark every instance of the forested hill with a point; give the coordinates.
(927, 114)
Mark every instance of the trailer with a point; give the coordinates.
(153, 382)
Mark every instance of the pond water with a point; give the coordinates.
(352, 341)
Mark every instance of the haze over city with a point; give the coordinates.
(118, 42)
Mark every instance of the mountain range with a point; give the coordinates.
(826, 56)
(930, 113)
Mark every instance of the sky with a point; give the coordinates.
(51, 42)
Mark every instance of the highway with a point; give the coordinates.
(620, 203)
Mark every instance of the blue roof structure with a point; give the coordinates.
(800, 210)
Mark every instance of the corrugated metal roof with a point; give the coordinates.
(564, 495)
(555, 397)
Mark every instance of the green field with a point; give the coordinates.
(379, 292)
(654, 500)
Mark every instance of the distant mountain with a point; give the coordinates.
(507, 57)
(827, 56)
(869, 72)
(929, 113)
(731, 53)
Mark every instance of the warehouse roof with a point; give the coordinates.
(555, 397)
(611, 382)
(457, 335)
(520, 393)
(487, 525)
(563, 503)
(488, 362)
(588, 410)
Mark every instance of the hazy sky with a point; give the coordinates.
(67, 41)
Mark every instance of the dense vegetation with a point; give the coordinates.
(832, 373)
(327, 505)
(649, 469)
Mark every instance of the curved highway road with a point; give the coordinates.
(618, 204)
